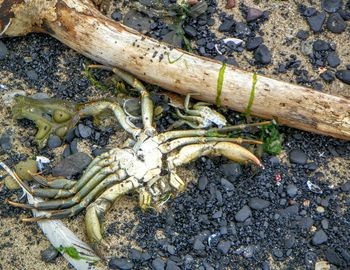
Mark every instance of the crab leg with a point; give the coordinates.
(205, 133)
(59, 183)
(96, 211)
(170, 146)
(72, 211)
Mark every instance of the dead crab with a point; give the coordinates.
(136, 166)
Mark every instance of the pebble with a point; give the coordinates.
(243, 214)
(31, 74)
(331, 5)
(224, 247)
(258, 204)
(262, 55)
(320, 209)
(336, 23)
(320, 45)
(173, 38)
(84, 131)
(292, 190)
(289, 241)
(198, 245)
(5, 141)
(278, 253)
(190, 31)
(66, 152)
(227, 184)
(253, 14)
(253, 43)
(327, 76)
(72, 165)
(202, 182)
(23, 167)
(316, 22)
(117, 16)
(333, 59)
(319, 238)
(333, 257)
(3, 50)
(231, 169)
(265, 266)
(49, 254)
(242, 30)
(171, 265)
(343, 75)
(297, 156)
(54, 141)
(306, 223)
(10, 183)
(303, 35)
(120, 263)
(137, 21)
(226, 25)
(325, 224)
(346, 187)
(158, 264)
(73, 147)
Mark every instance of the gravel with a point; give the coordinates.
(72, 165)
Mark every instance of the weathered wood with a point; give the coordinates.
(79, 25)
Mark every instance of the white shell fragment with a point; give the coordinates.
(313, 187)
(40, 160)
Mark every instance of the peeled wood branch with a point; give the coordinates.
(78, 24)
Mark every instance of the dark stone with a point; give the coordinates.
(333, 59)
(117, 16)
(135, 254)
(3, 50)
(303, 35)
(70, 135)
(336, 23)
(333, 257)
(292, 190)
(289, 241)
(316, 22)
(253, 14)
(262, 55)
(190, 31)
(327, 76)
(228, 186)
(99, 151)
(120, 263)
(346, 187)
(309, 11)
(290, 211)
(158, 264)
(231, 61)
(305, 223)
(265, 266)
(54, 142)
(243, 214)
(298, 157)
(253, 43)
(5, 141)
(331, 5)
(345, 14)
(31, 74)
(173, 38)
(72, 165)
(258, 204)
(224, 247)
(343, 75)
(278, 253)
(198, 245)
(231, 169)
(49, 254)
(227, 25)
(84, 131)
(325, 224)
(171, 265)
(319, 238)
(74, 146)
(320, 45)
(242, 30)
(137, 21)
(202, 182)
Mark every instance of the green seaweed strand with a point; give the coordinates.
(219, 84)
(174, 61)
(252, 95)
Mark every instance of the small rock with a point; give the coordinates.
(31, 74)
(190, 31)
(243, 214)
(253, 43)
(10, 183)
(316, 22)
(224, 247)
(258, 204)
(298, 157)
(290, 211)
(171, 249)
(137, 21)
(5, 141)
(49, 254)
(320, 209)
(117, 16)
(306, 223)
(198, 245)
(346, 187)
(303, 35)
(232, 169)
(158, 264)
(202, 182)
(54, 142)
(336, 23)
(253, 14)
(292, 190)
(321, 45)
(230, 4)
(171, 265)
(333, 257)
(265, 266)
(262, 55)
(23, 167)
(242, 30)
(331, 5)
(343, 75)
(173, 38)
(66, 151)
(72, 165)
(289, 241)
(226, 25)
(3, 51)
(333, 59)
(325, 224)
(227, 184)
(40, 95)
(120, 263)
(319, 238)
(278, 253)
(84, 131)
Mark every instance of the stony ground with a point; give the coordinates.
(231, 216)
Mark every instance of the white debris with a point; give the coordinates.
(41, 161)
(313, 187)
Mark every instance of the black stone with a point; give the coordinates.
(117, 16)
(137, 21)
(316, 22)
(232, 169)
(303, 35)
(198, 245)
(309, 11)
(84, 131)
(298, 157)
(336, 23)
(343, 75)
(202, 182)
(327, 76)
(171, 265)
(253, 43)
(242, 30)
(258, 204)
(306, 223)
(227, 25)
(224, 247)
(190, 31)
(333, 257)
(54, 142)
(3, 50)
(331, 5)
(333, 59)
(345, 14)
(319, 238)
(173, 38)
(5, 141)
(320, 45)
(31, 74)
(72, 165)
(243, 214)
(120, 263)
(49, 254)
(262, 55)
(228, 186)
(289, 240)
(278, 253)
(292, 190)
(346, 187)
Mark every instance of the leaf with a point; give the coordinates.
(272, 139)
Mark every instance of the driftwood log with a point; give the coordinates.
(78, 24)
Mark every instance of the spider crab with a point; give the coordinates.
(138, 165)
